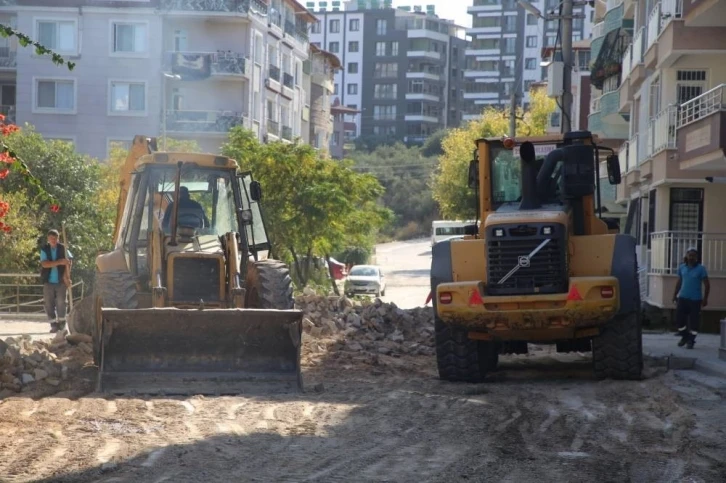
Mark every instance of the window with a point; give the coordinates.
(385, 69)
(385, 91)
(353, 46)
(380, 49)
(58, 35)
(353, 89)
(354, 25)
(57, 95)
(335, 26)
(530, 63)
(531, 19)
(352, 67)
(315, 28)
(180, 40)
(130, 38)
(531, 41)
(381, 26)
(334, 47)
(394, 48)
(550, 40)
(510, 45)
(128, 97)
(384, 113)
(335, 89)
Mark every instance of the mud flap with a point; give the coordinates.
(215, 351)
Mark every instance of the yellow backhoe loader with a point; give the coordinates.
(544, 266)
(185, 302)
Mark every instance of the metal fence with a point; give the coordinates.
(21, 295)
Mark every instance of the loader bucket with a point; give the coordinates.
(214, 351)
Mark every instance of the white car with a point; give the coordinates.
(365, 279)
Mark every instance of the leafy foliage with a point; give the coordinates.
(313, 206)
(405, 173)
(455, 199)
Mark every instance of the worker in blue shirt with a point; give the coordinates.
(689, 298)
(55, 263)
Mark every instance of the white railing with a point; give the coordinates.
(611, 4)
(670, 10)
(638, 48)
(644, 145)
(653, 25)
(702, 106)
(643, 281)
(633, 151)
(598, 30)
(663, 130)
(668, 248)
(627, 61)
(623, 155)
(595, 104)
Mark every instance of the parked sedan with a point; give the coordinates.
(365, 279)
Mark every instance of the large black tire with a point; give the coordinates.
(461, 359)
(115, 290)
(617, 353)
(269, 286)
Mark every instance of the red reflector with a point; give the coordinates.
(607, 292)
(475, 298)
(574, 294)
(445, 297)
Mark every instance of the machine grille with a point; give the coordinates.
(195, 279)
(545, 272)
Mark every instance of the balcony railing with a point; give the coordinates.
(8, 58)
(9, 113)
(637, 49)
(287, 133)
(633, 151)
(288, 80)
(660, 16)
(273, 127)
(668, 248)
(627, 60)
(653, 25)
(703, 105)
(202, 121)
(624, 156)
(663, 130)
(598, 30)
(221, 62)
(611, 4)
(274, 72)
(234, 6)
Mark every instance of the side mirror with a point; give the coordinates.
(255, 191)
(471, 230)
(474, 174)
(613, 165)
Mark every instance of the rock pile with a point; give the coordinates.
(368, 326)
(25, 362)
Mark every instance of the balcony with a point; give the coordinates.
(422, 117)
(428, 54)
(8, 58)
(287, 133)
(9, 113)
(662, 131)
(219, 122)
(599, 127)
(677, 40)
(482, 52)
(224, 10)
(423, 75)
(273, 127)
(298, 34)
(224, 65)
(610, 106)
(669, 247)
(661, 15)
(701, 131)
(422, 96)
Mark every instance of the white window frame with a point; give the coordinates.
(44, 110)
(76, 41)
(112, 46)
(109, 98)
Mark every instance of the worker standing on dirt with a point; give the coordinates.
(55, 262)
(688, 297)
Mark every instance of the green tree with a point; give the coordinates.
(449, 184)
(404, 172)
(313, 205)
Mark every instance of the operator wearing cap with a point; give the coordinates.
(688, 297)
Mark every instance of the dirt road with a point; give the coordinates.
(543, 418)
(406, 266)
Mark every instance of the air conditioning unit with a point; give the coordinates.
(555, 78)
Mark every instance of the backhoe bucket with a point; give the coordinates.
(214, 351)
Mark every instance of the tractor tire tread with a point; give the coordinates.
(274, 285)
(460, 359)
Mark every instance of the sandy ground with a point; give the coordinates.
(406, 266)
(542, 418)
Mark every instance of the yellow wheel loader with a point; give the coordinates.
(542, 266)
(185, 303)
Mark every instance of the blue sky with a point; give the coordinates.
(444, 9)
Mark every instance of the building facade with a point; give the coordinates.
(669, 87)
(186, 70)
(406, 79)
(323, 66)
(506, 44)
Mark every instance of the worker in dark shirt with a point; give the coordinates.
(191, 212)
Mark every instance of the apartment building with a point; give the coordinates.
(322, 66)
(505, 50)
(177, 68)
(406, 79)
(664, 73)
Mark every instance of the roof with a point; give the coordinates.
(302, 11)
(332, 58)
(343, 109)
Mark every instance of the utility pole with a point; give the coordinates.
(567, 59)
(513, 113)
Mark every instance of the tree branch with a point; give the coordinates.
(40, 49)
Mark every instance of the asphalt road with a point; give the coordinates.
(406, 266)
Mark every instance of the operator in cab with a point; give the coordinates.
(191, 212)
